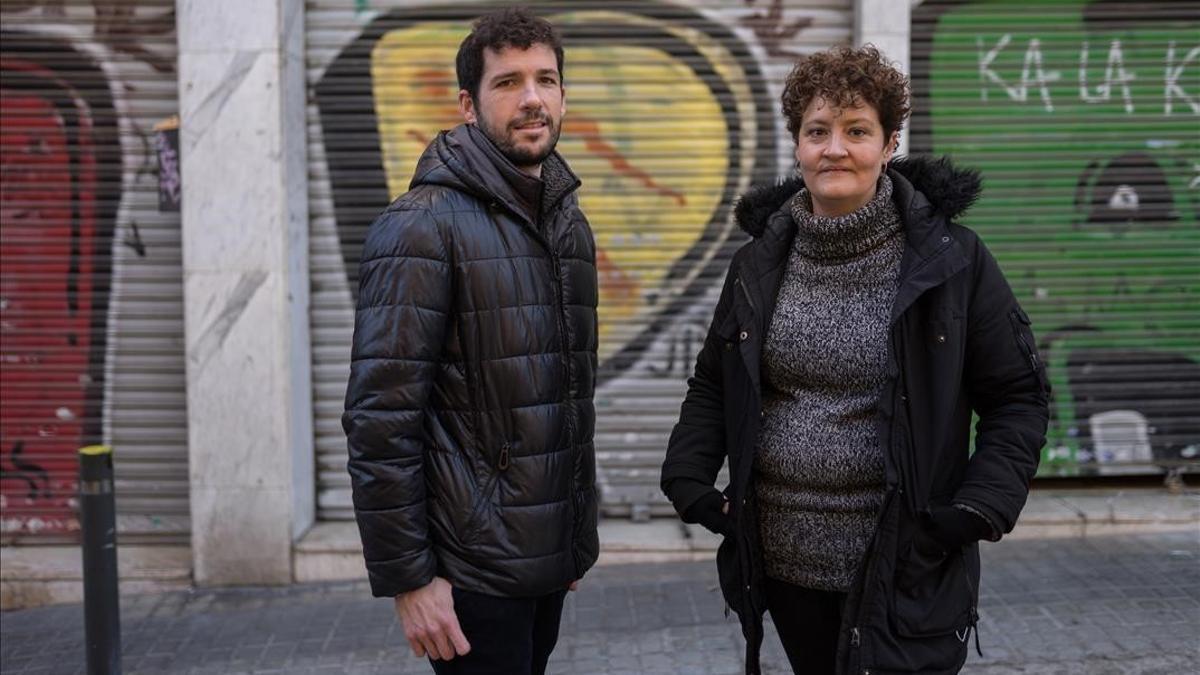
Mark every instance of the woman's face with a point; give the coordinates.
(841, 152)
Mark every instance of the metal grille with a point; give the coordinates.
(1084, 120)
(90, 268)
(673, 111)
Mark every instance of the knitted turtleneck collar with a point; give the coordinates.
(841, 238)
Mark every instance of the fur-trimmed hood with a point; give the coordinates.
(921, 183)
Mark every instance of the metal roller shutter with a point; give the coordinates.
(1084, 119)
(673, 112)
(90, 269)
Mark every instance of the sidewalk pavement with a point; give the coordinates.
(1098, 596)
(331, 551)
(1047, 514)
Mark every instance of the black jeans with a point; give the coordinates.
(508, 636)
(808, 622)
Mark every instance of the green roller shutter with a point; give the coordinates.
(1084, 120)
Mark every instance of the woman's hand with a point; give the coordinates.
(711, 511)
(952, 527)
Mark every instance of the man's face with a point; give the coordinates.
(520, 105)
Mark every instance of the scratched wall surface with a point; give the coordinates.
(90, 287)
(672, 113)
(1084, 119)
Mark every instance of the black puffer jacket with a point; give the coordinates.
(958, 342)
(469, 410)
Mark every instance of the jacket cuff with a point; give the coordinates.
(994, 534)
(684, 492)
(389, 578)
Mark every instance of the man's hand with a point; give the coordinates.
(430, 624)
(573, 586)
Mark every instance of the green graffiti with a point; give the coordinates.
(1085, 124)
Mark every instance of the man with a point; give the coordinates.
(469, 411)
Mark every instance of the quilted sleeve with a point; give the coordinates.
(399, 328)
(1007, 385)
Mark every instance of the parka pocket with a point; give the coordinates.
(1023, 333)
(727, 333)
(482, 505)
(933, 592)
(585, 534)
(729, 575)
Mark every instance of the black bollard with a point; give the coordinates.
(98, 521)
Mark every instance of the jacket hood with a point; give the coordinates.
(932, 186)
(460, 160)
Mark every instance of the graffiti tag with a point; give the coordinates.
(772, 31)
(683, 343)
(1036, 78)
(37, 478)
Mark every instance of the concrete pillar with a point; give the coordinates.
(887, 24)
(245, 265)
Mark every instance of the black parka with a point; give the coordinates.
(958, 342)
(469, 413)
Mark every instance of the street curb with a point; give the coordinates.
(1048, 514)
(33, 576)
(331, 551)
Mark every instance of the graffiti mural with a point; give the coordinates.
(57, 205)
(658, 192)
(773, 30)
(80, 83)
(673, 113)
(1086, 136)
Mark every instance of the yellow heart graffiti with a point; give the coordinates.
(645, 134)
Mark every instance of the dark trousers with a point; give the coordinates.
(508, 636)
(808, 622)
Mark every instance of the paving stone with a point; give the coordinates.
(1126, 605)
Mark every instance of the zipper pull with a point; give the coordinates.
(855, 639)
(503, 465)
(975, 628)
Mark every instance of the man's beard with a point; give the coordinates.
(521, 156)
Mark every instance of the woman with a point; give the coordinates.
(854, 336)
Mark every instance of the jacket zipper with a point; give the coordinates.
(973, 617)
(746, 292)
(855, 634)
(1030, 353)
(568, 404)
(565, 352)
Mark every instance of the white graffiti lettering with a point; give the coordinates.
(1033, 72)
(1115, 75)
(1041, 76)
(1171, 88)
(985, 69)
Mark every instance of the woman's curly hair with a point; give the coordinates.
(844, 77)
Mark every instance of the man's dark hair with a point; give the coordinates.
(510, 27)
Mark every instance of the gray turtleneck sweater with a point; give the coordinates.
(818, 469)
